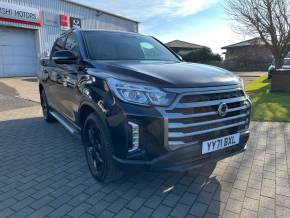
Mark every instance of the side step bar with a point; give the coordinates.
(70, 127)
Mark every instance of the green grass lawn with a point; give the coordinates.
(268, 106)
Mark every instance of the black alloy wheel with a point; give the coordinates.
(94, 150)
(99, 150)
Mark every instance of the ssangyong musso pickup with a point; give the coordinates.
(137, 105)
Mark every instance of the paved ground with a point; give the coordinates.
(43, 173)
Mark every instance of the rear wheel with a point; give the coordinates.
(45, 108)
(99, 150)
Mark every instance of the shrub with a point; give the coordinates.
(203, 55)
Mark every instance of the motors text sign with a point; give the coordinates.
(19, 14)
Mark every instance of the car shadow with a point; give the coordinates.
(43, 157)
(33, 80)
(7, 90)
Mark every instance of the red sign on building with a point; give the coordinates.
(65, 22)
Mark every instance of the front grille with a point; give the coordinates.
(211, 97)
(194, 117)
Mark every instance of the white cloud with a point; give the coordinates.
(144, 9)
(187, 7)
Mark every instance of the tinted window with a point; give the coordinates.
(125, 46)
(72, 45)
(58, 45)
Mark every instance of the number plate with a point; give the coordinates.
(220, 143)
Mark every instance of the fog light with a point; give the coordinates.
(135, 136)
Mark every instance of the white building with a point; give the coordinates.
(28, 29)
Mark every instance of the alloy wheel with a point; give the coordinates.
(94, 149)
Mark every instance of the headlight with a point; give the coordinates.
(140, 94)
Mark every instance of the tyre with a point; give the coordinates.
(99, 150)
(45, 108)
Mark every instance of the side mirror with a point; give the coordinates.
(179, 56)
(64, 57)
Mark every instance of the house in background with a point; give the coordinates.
(252, 54)
(183, 48)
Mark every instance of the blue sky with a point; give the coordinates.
(202, 22)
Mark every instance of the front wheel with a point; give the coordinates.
(99, 150)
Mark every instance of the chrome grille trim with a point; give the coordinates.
(181, 135)
(182, 125)
(192, 122)
(181, 143)
(181, 116)
(209, 103)
(213, 89)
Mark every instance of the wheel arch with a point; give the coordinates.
(84, 112)
(85, 109)
(119, 143)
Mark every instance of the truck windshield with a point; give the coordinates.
(104, 45)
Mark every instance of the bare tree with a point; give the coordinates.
(267, 18)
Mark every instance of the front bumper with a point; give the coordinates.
(183, 159)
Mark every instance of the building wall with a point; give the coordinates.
(248, 58)
(90, 19)
(254, 53)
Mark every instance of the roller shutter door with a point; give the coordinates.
(17, 52)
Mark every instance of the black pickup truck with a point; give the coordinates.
(137, 105)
